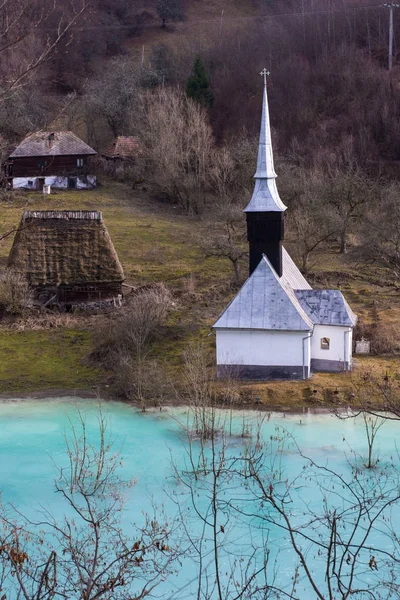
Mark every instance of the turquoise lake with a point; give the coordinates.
(32, 442)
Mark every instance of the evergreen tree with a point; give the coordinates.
(198, 85)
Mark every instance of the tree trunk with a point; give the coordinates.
(304, 263)
(343, 242)
(236, 268)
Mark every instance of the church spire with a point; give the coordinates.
(265, 211)
(265, 196)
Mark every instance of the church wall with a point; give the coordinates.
(338, 356)
(260, 354)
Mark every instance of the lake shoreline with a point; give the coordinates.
(106, 395)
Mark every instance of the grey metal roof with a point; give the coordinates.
(291, 273)
(326, 307)
(265, 196)
(52, 143)
(266, 301)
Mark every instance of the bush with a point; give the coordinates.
(145, 380)
(384, 337)
(15, 294)
(122, 344)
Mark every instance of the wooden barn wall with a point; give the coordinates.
(36, 166)
(90, 292)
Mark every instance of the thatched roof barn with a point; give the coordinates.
(67, 256)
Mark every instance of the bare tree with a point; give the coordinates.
(170, 10)
(348, 193)
(113, 97)
(181, 147)
(375, 401)
(123, 343)
(30, 31)
(225, 238)
(381, 232)
(331, 536)
(88, 553)
(310, 220)
(225, 569)
(372, 425)
(337, 542)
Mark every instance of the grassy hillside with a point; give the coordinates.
(156, 242)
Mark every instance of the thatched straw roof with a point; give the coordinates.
(64, 247)
(52, 143)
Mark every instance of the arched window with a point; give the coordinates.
(325, 343)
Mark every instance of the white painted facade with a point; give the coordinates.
(30, 183)
(263, 348)
(340, 344)
(239, 348)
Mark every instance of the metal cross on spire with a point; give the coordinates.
(265, 74)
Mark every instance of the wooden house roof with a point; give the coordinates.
(49, 143)
(64, 247)
(124, 147)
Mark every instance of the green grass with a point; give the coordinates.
(35, 360)
(153, 242)
(156, 242)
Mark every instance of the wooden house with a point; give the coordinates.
(124, 152)
(67, 256)
(124, 149)
(59, 159)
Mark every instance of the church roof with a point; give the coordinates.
(265, 196)
(287, 303)
(267, 301)
(291, 274)
(326, 307)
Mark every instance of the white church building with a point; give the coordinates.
(277, 326)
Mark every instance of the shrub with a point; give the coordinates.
(123, 343)
(15, 294)
(384, 337)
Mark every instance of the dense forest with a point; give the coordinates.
(332, 98)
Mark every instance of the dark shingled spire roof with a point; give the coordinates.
(64, 247)
(52, 143)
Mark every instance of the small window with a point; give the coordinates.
(79, 162)
(325, 343)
